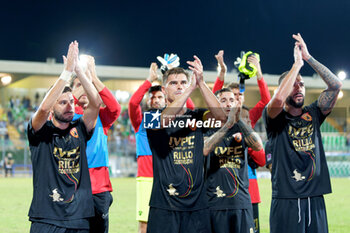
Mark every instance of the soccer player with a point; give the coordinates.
(62, 197)
(144, 180)
(178, 203)
(227, 176)
(256, 158)
(97, 150)
(300, 174)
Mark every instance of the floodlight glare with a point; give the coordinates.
(340, 95)
(6, 80)
(83, 61)
(122, 96)
(342, 75)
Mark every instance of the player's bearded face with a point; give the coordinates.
(156, 100)
(227, 100)
(295, 104)
(63, 110)
(296, 99)
(61, 117)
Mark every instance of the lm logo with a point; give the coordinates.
(151, 120)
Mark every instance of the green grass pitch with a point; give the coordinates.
(16, 194)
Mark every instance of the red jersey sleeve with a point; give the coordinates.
(111, 111)
(256, 112)
(190, 104)
(217, 85)
(257, 156)
(135, 111)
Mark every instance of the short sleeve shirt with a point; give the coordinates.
(299, 167)
(227, 181)
(62, 188)
(178, 165)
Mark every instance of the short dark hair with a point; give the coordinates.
(217, 93)
(175, 70)
(233, 85)
(155, 88)
(282, 77)
(67, 89)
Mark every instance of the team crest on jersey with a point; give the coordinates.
(193, 128)
(306, 116)
(237, 137)
(74, 133)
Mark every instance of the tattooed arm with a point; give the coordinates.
(252, 139)
(328, 97)
(211, 142)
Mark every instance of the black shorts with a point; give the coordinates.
(160, 221)
(102, 202)
(39, 227)
(232, 221)
(256, 217)
(298, 215)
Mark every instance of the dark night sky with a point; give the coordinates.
(133, 33)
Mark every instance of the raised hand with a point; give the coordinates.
(91, 67)
(254, 60)
(235, 113)
(300, 42)
(197, 68)
(220, 58)
(153, 76)
(169, 61)
(298, 55)
(78, 69)
(193, 83)
(70, 60)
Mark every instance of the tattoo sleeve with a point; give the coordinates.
(328, 97)
(252, 139)
(211, 142)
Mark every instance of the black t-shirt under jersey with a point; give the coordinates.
(227, 176)
(178, 166)
(299, 166)
(61, 181)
